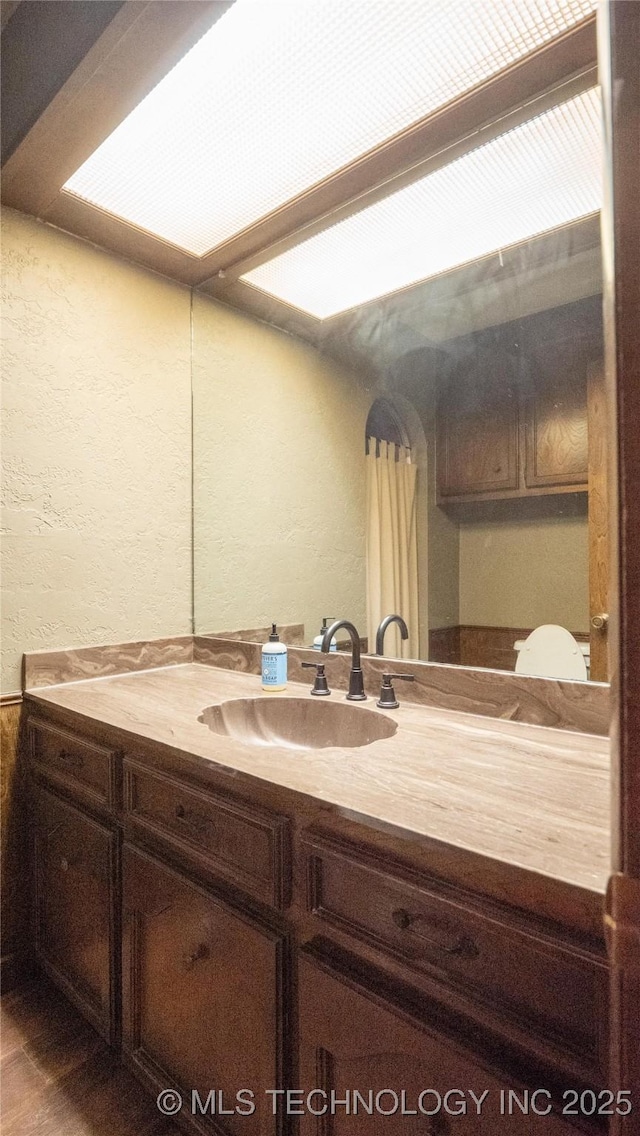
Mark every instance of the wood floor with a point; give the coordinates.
(60, 1079)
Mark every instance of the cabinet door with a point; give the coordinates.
(76, 876)
(477, 449)
(351, 1040)
(557, 451)
(201, 985)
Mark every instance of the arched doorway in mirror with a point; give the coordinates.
(394, 445)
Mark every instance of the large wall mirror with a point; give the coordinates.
(438, 450)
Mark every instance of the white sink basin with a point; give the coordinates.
(297, 723)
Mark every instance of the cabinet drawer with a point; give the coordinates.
(544, 987)
(243, 844)
(86, 769)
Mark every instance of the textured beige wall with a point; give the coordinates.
(96, 447)
(524, 573)
(279, 489)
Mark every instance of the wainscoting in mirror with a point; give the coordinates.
(473, 646)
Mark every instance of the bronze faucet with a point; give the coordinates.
(386, 622)
(356, 682)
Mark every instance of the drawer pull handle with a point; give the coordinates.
(200, 822)
(451, 945)
(72, 759)
(201, 952)
(65, 863)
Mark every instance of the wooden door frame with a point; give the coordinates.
(620, 79)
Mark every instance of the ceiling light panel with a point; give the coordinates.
(536, 177)
(279, 94)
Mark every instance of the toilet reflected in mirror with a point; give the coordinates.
(552, 651)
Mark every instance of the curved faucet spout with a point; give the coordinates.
(356, 681)
(386, 622)
(353, 632)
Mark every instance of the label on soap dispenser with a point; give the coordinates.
(274, 670)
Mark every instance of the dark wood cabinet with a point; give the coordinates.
(547, 994)
(477, 443)
(76, 918)
(244, 845)
(410, 1080)
(499, 439)
(76, 765)
(201, 984)
(241, 943)
(512, 414)
(557, 436)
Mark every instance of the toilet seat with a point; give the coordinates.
(551, 652)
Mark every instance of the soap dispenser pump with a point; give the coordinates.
(317, 642)
(274, 662)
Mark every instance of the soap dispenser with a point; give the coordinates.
(274, 662)
(317, 642)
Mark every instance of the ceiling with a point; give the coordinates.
(72, 71)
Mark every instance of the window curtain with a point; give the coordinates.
(392, 546)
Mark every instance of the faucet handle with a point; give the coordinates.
(320, 684)
(387, 699)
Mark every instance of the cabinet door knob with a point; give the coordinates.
(65, 863)
(200, 952)
(402, 918)
(600, 621)
(199, 822)
(72, 759)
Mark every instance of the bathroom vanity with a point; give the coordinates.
(420, 913)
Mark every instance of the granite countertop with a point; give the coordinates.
(530, 796)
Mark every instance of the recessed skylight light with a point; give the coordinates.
(280, 94)
(536, 177)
